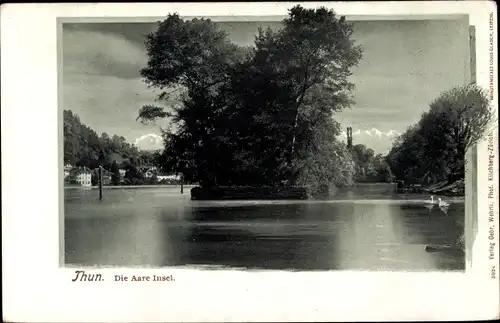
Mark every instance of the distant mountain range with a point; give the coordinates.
(379, 141)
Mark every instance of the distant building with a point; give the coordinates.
(106, 179)
(151, 172)
(349, 137)
(81, 176)
(106, 176)
(122, 174)
(67, 170)
(168, 178)
(148, 171)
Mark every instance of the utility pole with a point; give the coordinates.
(182, 183)
(349, 137)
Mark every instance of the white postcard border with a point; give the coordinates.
(35, 289)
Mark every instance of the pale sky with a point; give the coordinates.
(406, 64)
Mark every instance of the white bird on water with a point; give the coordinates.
(429, 204)
(443, 203)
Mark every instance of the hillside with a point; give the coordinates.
(84, 147)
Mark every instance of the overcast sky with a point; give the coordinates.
(406, 64)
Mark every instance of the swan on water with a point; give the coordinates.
(443, 203)
(431, 201)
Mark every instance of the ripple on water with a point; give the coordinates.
(172, 230)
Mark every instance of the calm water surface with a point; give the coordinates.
(161, 227)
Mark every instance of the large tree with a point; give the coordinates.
(252, 116)
(295, 80)
(368, 166)
(433, 150)
(192, 60)
(115, 174)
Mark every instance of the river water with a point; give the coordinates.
(160, 227)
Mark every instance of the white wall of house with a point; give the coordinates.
(84, 179)
(169, 177)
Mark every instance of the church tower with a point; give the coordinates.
(349, 137)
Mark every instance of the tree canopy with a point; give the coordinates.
(254, 116)
(433, 150)
(370, 167)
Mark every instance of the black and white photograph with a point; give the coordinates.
(313, 142)
(239, 162)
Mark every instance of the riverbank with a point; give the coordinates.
(186, 187)
(447, 189)
(250, 193)
(291, 192)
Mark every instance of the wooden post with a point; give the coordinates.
(182, 183)
(100, 182)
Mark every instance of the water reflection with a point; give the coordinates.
(159, 227)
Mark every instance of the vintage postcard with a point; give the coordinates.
(250, 161)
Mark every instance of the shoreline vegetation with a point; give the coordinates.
(257, 120)
(250, 193)
(275, 193)
(446, 189)
(70, 186)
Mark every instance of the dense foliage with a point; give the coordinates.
(433, 150)
(83, 147)
(115, 173)
(254, 116)
(370, 167)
